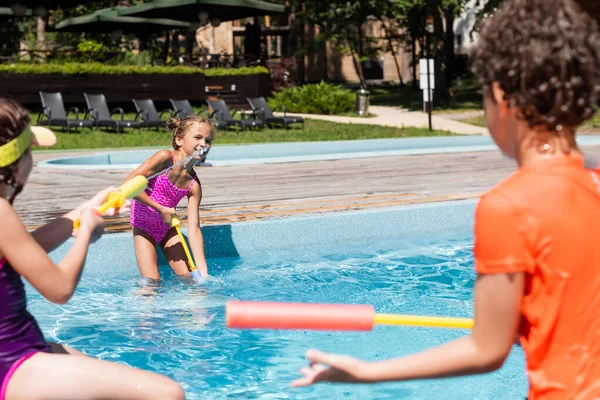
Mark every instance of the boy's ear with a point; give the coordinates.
(498, 93)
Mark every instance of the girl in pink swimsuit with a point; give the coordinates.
(153, 210)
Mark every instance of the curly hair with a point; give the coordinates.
(13, 120)
(179, 127)
(545, 55)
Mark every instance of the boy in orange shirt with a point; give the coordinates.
(536, 233)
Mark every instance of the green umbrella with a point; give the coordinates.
(108, 20)
(204, 10)
(7, 13)
(41, 5)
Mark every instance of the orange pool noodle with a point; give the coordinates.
(337, 317)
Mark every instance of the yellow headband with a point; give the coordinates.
(13, 150)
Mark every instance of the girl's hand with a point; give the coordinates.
(100, 198)
(91, 223)
(166, 214)
(341, 369)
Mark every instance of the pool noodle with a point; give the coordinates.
(337, 317)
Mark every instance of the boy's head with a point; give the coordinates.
(592, 7)
(539, 60)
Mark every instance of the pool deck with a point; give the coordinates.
(254, 192)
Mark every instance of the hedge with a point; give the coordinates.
(99, 68)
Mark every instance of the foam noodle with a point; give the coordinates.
(337, 317)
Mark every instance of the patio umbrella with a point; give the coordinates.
(108, 20)
(204, 10)
(7, 13)
(40, 7)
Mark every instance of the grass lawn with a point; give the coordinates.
(591, 125)
(314, 130)
(466, 95)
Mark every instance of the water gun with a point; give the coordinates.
(116, 199)
(332, 317)
(175, 222)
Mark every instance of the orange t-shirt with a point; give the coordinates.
(544, 220)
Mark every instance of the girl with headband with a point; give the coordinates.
(31, 368)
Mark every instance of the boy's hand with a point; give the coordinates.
(341, 369)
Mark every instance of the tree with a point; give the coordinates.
(343, 22)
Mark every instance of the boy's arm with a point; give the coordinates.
(194, 232)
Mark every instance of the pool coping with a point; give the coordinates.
(346, 149)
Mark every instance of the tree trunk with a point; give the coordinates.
(391, 44)
(441, 94)
(41, 37)
(449, 46)
(413, 40)
(190, 37)
(167, 45)
(300, 54)
(175, 46)
(355, 61)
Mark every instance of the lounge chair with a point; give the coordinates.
(53, 113)
(148, 114)
(225, 119)
(99, 111)
(182, 108)
(261, 107)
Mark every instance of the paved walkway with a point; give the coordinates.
(398, 117)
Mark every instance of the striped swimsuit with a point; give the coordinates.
(162, 191)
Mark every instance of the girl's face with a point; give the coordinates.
(196, 137)
(24, 167)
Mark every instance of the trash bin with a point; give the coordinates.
(362, 102)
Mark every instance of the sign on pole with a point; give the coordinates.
(427, 83)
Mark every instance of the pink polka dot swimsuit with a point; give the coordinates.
(165, 193)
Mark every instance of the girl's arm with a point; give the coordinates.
(55, 282)
(194, 232)
(151, 166)
(497, 314)
(57, 231)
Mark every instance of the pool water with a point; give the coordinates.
(178, 328)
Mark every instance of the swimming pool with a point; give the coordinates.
(223, 155)
(413, 260)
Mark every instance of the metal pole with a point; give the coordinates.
(430, 102)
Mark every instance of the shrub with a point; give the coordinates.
(98, 68)
(320, 98)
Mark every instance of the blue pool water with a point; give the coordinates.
(178, 328)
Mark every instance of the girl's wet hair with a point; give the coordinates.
(179, 127)
(13, 120)
(545, 55)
